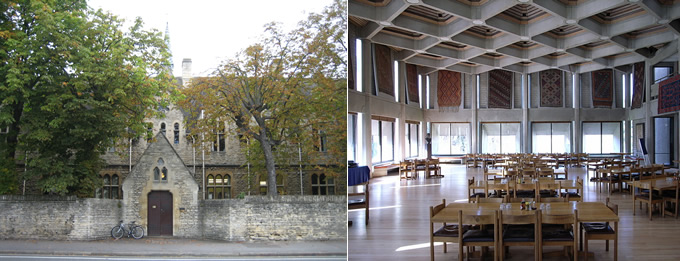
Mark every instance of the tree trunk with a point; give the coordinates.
(266, 146)
(13, 135)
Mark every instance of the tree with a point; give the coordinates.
(72, 84)
(278, 92)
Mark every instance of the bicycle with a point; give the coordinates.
(136, 231)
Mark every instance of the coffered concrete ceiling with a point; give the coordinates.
(526, 36)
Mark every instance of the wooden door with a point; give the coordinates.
(160, 213)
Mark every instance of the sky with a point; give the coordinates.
(209, 31)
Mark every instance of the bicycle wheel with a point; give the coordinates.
(137, 232)
(117, 232)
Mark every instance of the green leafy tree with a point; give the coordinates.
(279, 93)
(72, 84)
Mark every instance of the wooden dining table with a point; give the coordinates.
(587, 212)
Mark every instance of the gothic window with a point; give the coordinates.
(279, 184)
(149, 131)
(218, 143)
(176, 133)
(218, 186)
(164, 175)
(156, 174)
(163, 128)
(322, 185)
(111, 187)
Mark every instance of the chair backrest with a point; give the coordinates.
(551, 199)
(642, 185)
(519, 219)
(489, 200)
(614, 207)
(518, 200)
(562, 219)
(477, 218)
(436, 209)
(496, 185)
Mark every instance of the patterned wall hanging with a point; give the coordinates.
(603, 84)
(448, 90)
(669, 95)
(500, 89)
(383, 69)
(638, 85)
(412, 81)
(551, 88)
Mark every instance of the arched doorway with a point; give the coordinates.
(160, 213)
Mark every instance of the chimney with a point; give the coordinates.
(186, 71)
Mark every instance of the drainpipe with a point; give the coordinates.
(203, 158)
(300, 162)
(193, 141)
(247, 160)
(130, 164)
(23, 193)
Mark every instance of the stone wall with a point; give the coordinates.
(275, 218)
(251, 219)
(57, 217)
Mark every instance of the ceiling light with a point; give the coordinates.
(662, 21)
(604, 37)
(385, 23)
(559, 50)
(525, 60)
(444, 38)
(630, 49)
(570, 21)
(490, 50)
(589, 60)
(633, 1)
(523, 1)
(525, 38)
(478, 22)
(412, 1)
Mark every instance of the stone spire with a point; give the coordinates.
(167, 42)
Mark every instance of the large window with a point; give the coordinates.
(601, 137)
(501, 137)
(111, 188)
(351, 137)
(322, 185)
(279, 184)
(382, 139)
(662, 73)
(219, 142)
(551, 137)
(450, 138)
(411, 134)
(218, 186)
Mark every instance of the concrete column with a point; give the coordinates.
(474, 140)
(577, 146)
(649, 128)
(526, 136)
(365, 150)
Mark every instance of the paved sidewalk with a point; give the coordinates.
(172, 247)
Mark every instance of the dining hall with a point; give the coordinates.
(513, 129)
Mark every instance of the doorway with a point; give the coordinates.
(160, 213)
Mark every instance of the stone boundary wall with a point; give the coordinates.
(275, 218)
(251, 219)
(63, 218)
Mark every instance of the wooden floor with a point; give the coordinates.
(399, 223)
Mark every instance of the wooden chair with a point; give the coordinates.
(433, 166)
(528, 172)
(600, 231)
(573, 195)
(548, 189)
(483, 237)
(497, 187)
(516, 231)
(671, 196)
(471, 160)
(650, 198)
(489, 200)
(550, 199)
(546, 172)
(611, 179)
(445, 234)
(525, 190)
(565, 235)
(406, 170)
(519, 200)
(472, 193)
(360, 202)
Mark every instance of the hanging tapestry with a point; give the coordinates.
(412, 81)
(669, 94)
(383, 69)
(603, 82)
(500, 89)
(350, 70)
(638, 85)
(551, 88)
(448, 90)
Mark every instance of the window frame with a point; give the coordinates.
(380, 144)
(409, 135)
(329, 183)
(451, 124)
(501, 124)
(571, 136)
(224, 188)
(621, 138)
